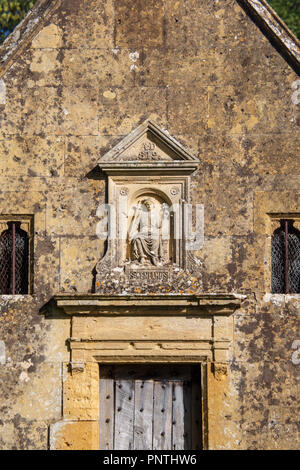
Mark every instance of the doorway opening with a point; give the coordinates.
(150, 407)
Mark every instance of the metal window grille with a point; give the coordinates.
(285, 257)
(14, 260)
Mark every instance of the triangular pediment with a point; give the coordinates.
(148, 146)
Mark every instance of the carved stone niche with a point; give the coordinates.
(149, 228)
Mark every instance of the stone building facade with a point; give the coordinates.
(167, 105)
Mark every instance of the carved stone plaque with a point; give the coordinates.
(148, 187)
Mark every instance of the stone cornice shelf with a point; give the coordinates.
(132, 305)
(157, 168)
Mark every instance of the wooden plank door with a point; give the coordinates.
(143, 423)
(162, 415)
(150, 407)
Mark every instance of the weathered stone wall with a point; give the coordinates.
(93, 73)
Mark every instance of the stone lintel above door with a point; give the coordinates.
(185, 304)
(150, 328)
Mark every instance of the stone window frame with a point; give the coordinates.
(269, 208)
(27, 224)
(275, 224)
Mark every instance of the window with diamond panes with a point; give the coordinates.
(14, 260)
(285, 258)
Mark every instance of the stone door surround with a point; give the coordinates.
(135, 329)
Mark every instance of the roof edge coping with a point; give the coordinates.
(275, 27)
(25, 31)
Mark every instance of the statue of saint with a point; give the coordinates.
(145, 233)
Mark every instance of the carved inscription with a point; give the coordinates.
(157, 276)
(148, 151)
